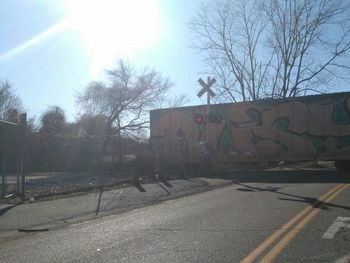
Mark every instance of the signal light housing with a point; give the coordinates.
(199, 119)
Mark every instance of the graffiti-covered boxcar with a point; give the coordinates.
(305, 128)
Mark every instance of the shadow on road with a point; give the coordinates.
(161, 186)
(295, 198)
(167, 184)
(285, 177)
(140, 188)
(6, 209)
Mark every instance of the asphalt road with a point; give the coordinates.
(270, 220)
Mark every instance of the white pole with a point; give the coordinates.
(208, 111)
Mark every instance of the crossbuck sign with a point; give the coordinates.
(206, 87)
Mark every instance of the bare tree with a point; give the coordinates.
(229, 34)
(272, 48)
(53, 123)
(124, 99)
(177, 100)
(53, 120)
(92, 125)
(9, 102)
(307, 53)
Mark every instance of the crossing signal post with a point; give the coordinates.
(206, 88)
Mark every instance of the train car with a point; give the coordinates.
(307, 128)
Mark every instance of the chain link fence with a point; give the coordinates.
(12, 148)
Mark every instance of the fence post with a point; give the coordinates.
(3, 158)
(18, 174)
(23, 127)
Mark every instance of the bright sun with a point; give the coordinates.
(112, 28)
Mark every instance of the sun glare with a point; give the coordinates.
(112, 28)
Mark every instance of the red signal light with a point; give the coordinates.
(199, 119)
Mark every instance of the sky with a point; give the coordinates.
(51, 49)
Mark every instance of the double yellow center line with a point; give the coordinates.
(306, 215)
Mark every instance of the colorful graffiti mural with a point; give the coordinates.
(301, 128)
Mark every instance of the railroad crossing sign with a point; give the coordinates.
(206, 87)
